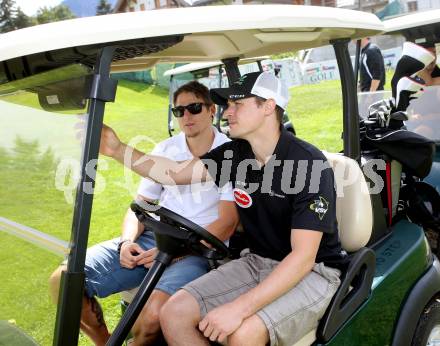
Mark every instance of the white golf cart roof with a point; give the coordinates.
(195, 66)
(209, 33)
(191, 67)
(412, 21)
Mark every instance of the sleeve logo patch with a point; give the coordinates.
(320, 207)
(241, 80)
(242, 198)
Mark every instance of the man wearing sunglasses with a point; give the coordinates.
(284, 190)
(121, 264)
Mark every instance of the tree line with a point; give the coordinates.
(13, 18)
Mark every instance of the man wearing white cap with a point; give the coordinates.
(279, 289)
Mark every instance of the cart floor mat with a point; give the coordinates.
(10, 334)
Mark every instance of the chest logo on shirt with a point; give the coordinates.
(320, 207)
(242, 198)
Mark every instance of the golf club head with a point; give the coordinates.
(379, 106)
(407, 89)
(400, 116)
(379, 111)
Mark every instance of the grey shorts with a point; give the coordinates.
(289, 317)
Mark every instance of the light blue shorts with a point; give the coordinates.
(105, 276)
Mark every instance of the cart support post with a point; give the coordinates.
(349, 99)
(102, 89)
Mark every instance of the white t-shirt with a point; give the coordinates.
(196, 202)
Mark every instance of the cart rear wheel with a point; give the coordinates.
(428, 328)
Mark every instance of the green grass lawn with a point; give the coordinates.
(315, 110)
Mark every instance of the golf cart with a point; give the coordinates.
(214, 75)
(53, 73)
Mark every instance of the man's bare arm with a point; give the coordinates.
(226, 222)
(131, 227)
(157, 168)
(435, 81)
(374, 84)
(291, 270)
(131, 230)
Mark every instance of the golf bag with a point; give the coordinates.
(407, 156)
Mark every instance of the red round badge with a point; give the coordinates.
(242, 198)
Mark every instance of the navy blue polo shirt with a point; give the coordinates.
(294, 189)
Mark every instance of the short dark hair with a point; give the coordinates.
(195, 88)
(278, 110)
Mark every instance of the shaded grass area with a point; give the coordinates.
(25, 301)
(139, 110)
(27, 202)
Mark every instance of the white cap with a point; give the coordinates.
(262, 84)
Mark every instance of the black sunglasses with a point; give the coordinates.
(193, 108)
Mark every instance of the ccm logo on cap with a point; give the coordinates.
(239, 96)
(242, 198)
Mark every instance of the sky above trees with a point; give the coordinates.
(13, 16)
(30, 7)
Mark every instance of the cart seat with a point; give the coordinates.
(355, 222)
(353, 205)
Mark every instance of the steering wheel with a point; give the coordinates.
(175, 226)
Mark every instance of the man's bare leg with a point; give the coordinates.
(179, 320)
(92, 317)
(252, 332)
(92, 321)
(146, 329)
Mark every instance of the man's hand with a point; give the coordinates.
(130, 253)
(147, 257)
(221, 322)
(110, 143)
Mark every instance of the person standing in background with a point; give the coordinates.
(372, 67)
